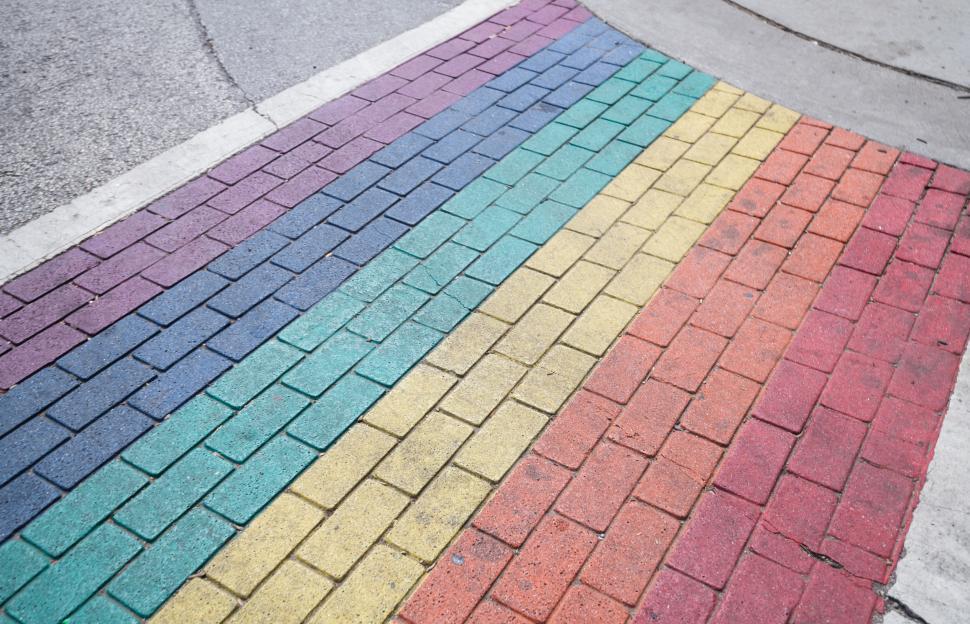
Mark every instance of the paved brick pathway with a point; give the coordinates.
(540, 326)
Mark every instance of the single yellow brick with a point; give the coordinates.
(529, 338)
(372, 590)
(674, 239)
(683, 177)
(268, 539)
(727, 88)
(735, 122)
(705, 203)
(733, 171)
(562, 250)
(753, 103)
(711, 148)
(344, 464)
(578, 287)
(287, 597)
(467, 343)
(691, 126)
(438, 514)
(199, 601)
(410, 400)
(632, 182)
(778, 118)
(596, 328)
(662, 153)
(484, 388)
(714, 103)
(501, 441)
(353, 528)
(423, 452)
(597, 216)
(639, 279)
(549, 384)
(757, 143)
(516, 295)
(652, 209)
(618, 245)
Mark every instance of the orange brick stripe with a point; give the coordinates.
(580, 525)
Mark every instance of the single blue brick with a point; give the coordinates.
(568, 94)
(481, 98)
(474, 198)
(179, 339)
(580, 188)
(570, 43)
(456, 302)
(21, 500)
(163, 568)
(596, 135)
(327, 364)
(415, 171)
(621, 55)
(498, 262)
(336, 410)
(440, 268)
(482, 232)
(654, 87)
(373, 239)
(254, 287)
(362, 210)
(527, 193)
(387, 312)
(253, 329)
(489, 121)
(644, 130)
(536, 117)
(638, 70)
(310, 247)
(510, 169)
(31, 396)
(542, 60)
(554, 77)
(627, 109)
(441, 124)
(614, 158)
(187, 295)
(355, 181)
(368, 283)
(591, 27)
(549, 139)
(100, 610)
(402, 350)
(100, 393)
(401, 150)
(254, 374)
(507, 82)
(421, 202)
(254, 425)
(544, 221)
(696, 84)
(675, 69)
(67, 522)
(261, 478)
(452, 146)
(501, 143)
(609, 39)
(19, 562)
(671, 106)
(108, 346)
(305, 215)
(582, 58)
(91, 448)
(566, 161)
(462, 171)
(523, 97)
(429, 234)
(595, 74)
(179, 383)
(177, 434)
(27, 444)
(250, 253)
(316, 282)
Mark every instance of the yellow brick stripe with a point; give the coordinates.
(356, 532)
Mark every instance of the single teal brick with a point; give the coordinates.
(549, 139)
(388, 312)
(64, 524)
(671, 106)
(326, 317)
(377, 276)
(638, 69)
(402, 350)
(162, 569)
(19, 562)
(62, 588)
(696, 84)
(101, 610)
(474, 198)
(5, 620)
(644, 131)
(336, 410)
(327, 364)
(652, 55)
(614, 158)
(182, 485)
(181, 431)
(482, 232)
(627, 110)
(581, 113)
(429, 234)
(498, 262)
(596, 135)
(654, 87)
(527, 193)
(256, 423)
(451, 306)
(565, 162)
(438, 270)
(539, 226)
(675, 69)
(580, 188)
(611, 91)
(510, 169)
(258, 370)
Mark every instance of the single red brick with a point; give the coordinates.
(906, 421)
(881, 332)
(807, 192)
(856, 561)
(663, 317)
(695, 454)
(952, 179)
(729, 232)
(830, 162)
(646, 422)
(940, 209)
(756, 264)
(960, 243)
(910, 158)
(887, 451)
(790, 395)
(845, 292)
(858, 187)
(803, 139)
(844, 138)
(773, 545)
(923, 244)
(833, 596)
(489, 612)
(719, 406)
(622, 369)
(761, 591)
(876, 157)
(783, 226)
(813, 257)
(828, 448)
(757, 197)
(781, 167)
(836, 219)
(459, 580)
(601, 485)
(543, 569)
(574, 432)
(522, 499)
(669, 487)
(857, 386)
(756, 349)
(754, 461)
(800, 510)
(627, 557)
(868, 251)
(697, 273)
(954, 278)
(582, 604)
(925, 375)
(676, 599)
(19, 362)
(943, 322)
(904, 285)
(689, 357)
(872, 508)
(713, 538)
(906, 181)
(889, 214)
(820, 341)
(786, 300)
(724, 308)
(811, 121)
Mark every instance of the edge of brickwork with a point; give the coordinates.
(70, 223)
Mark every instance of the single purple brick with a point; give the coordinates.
(379, 87)
(558, 28)
(482, 32)
(241, 226)
(338, 110)
(298, 189)
(292, 135)
(434, 104)
(468, 82)
(510, 16)
(425, 85)
(119, 267)
(190, 258)
(531, 44)
(350, 155)
(49, 275)
(44, 312)
(189, 226)
(298, 159)
(242, 164)
(364, 120)
(502, 63)
(244, 192)
(116, 237)
(416, 67)
(110, 307)
(8, 305)
(450, 49)
(4, 346)
(548, 14)
(187, 197)
(491, 47)
(36, 353)
(395, 127)
(459, 65)
(579, 14)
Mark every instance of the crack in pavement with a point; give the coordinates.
(904, 610)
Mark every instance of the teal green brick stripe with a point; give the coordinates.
(220, 459)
